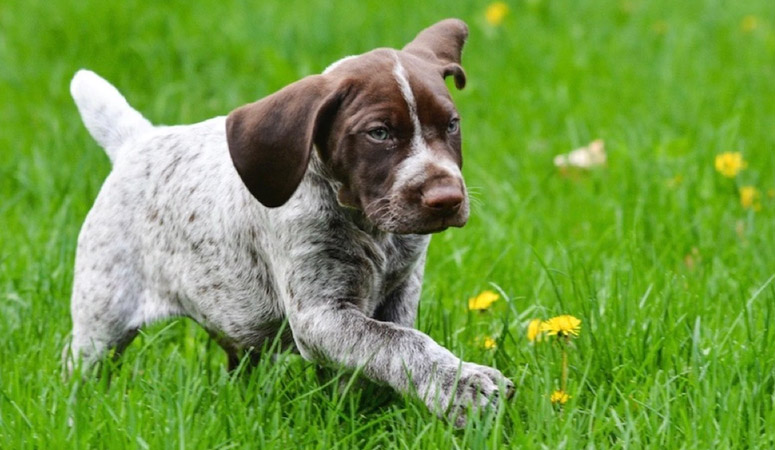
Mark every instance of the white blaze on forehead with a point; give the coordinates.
(406, 90)
(414, 167)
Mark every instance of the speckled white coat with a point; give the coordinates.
(175, 232)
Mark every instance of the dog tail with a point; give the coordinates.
(105, 112)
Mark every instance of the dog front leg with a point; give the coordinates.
(400, 305)
(338, 333)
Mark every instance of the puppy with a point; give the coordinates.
(313, 206)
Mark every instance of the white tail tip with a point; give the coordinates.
(105, 112)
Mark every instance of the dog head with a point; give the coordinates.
(384, 125)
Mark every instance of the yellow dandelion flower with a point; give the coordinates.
(750, 198)
(496, 12)
(562, 326)
(488, 343)
(534, 330)
(749, 23)
(730, 164)
(482, 301)
(560, 397)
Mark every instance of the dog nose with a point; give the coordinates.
(444, 199)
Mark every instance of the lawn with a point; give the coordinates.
(671, 275)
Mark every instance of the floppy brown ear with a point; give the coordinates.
(270, 140)
(442, 43)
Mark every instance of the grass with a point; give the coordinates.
(671, 277)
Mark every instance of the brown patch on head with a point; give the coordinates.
(384, 124)
(361, 163)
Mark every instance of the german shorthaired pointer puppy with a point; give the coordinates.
(313, 205)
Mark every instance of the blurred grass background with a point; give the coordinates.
(671, 276)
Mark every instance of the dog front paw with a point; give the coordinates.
(456, 389)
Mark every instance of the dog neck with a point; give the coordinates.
(319, 173)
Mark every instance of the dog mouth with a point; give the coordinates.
(436, 228)
(416, 220)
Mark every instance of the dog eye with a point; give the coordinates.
(454, 126)
(379, 134)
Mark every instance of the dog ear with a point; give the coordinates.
(442, 43)
(270, 141)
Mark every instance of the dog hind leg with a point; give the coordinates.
(102, 321)
(108, 291)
